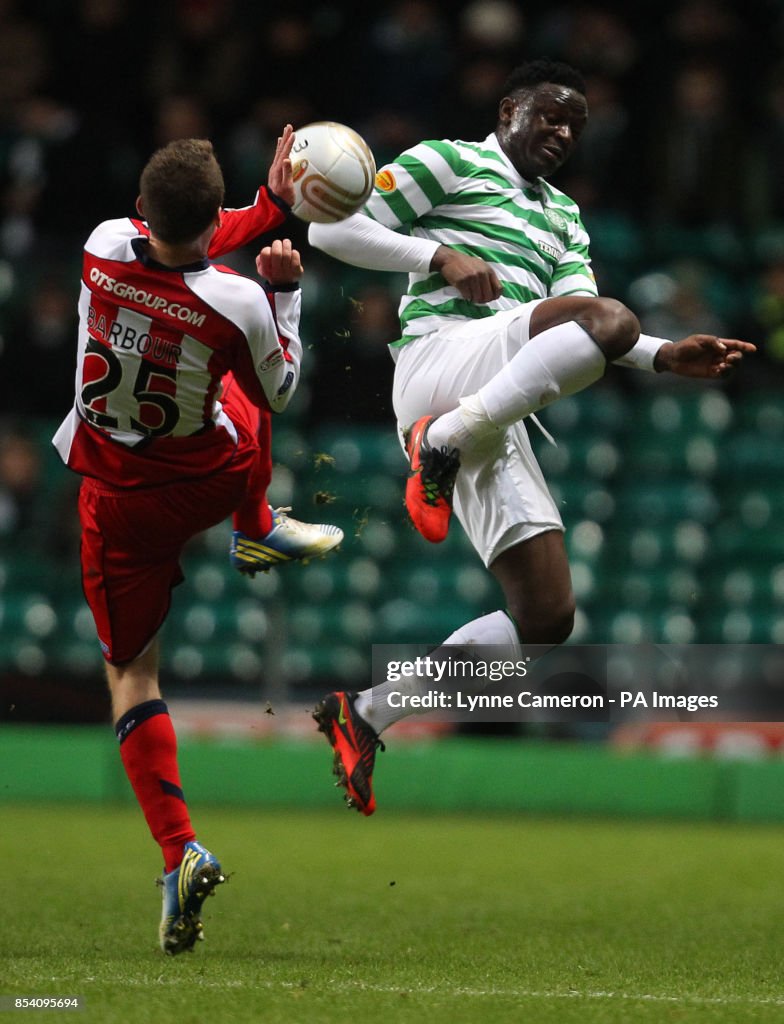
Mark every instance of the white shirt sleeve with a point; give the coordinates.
(363, 242)
(278, 368)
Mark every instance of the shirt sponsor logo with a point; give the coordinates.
(550, 250)
(271, 362)
(157, 303)
(558, 221)
(385, 181)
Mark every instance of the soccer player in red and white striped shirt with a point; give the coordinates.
(179, 361)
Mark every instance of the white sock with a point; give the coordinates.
(373, 704)
(462, 427)
(496, 628)
(558, 362)
(555, 363)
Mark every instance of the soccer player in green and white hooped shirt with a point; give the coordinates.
(501, 317)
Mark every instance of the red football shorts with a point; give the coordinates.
(132, 539)
(131, 547)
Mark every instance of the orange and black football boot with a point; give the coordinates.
(431, 481)
(354, 743)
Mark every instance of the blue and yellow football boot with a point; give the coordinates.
(184, 891)
(288, 541)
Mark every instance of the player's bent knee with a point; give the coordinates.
(551, 625)
(614, 327)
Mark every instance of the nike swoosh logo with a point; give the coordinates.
(341, 716)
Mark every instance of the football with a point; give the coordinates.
(333, 170)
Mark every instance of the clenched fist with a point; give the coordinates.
(280, 263)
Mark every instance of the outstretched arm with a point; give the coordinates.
(702, 355)
(363, 242)
(279, 178)
(406, 190)
(269, 209)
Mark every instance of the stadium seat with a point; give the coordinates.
(327, 666)
(684, 542)
(679, 453)
(747, 626)
(28, 615)
(585, 539)
(736, 543)
(583, 458)
(704, 410)
(79, 657)
(404, 620)
(656, 588)
(762, 415)
(670, 624)
(665, 501)
(600, 412)
(366, 449)
(339, 493)
(362, 577)
(752, 456)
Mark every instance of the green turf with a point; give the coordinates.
(332, 918)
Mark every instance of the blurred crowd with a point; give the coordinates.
(679, 173)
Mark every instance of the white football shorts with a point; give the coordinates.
(501, 497)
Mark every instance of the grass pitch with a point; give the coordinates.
(328, 917)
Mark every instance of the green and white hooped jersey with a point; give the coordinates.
(469, 196)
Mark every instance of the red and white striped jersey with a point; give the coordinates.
(154, 343)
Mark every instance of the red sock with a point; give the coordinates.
(254, 516)
(148, 748)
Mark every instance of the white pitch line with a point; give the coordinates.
(475, 993)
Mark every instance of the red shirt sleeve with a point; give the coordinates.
(240, 226)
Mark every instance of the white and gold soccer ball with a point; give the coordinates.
(333, 170)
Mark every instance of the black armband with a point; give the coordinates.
(268, 286)
(278, 201)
